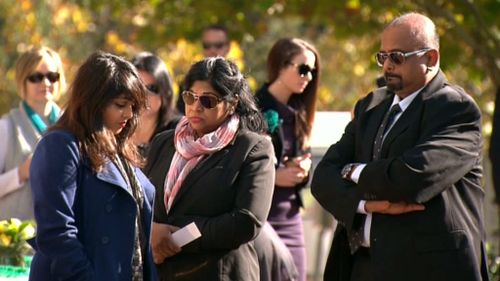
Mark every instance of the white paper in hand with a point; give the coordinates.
(186, 234)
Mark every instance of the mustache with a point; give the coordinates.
(389, 75)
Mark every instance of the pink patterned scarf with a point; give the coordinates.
(189, 152)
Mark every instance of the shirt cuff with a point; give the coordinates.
(361, 207)
(357, 172)
(10, 182)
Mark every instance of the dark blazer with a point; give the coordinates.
(85, 221)
(267, 102)
(228, 196)
(431, 156)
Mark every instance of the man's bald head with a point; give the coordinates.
(421, 29)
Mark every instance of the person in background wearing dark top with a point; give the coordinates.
(404, 180)
(494, 151)
(288, 103)
(93, 205)
(40, 82)
(215, 42)
(159, 115)
(215, 170)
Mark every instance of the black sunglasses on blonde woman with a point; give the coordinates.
(208, 101)
(38, 77)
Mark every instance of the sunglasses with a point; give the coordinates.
(153, 88)
(303, 69)
(396, 57)
(216, 45)
(207, 101)
(38, 77)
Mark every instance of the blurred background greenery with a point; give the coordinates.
(346, 34)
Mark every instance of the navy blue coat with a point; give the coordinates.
(85, 221)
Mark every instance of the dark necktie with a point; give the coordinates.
(386, 123)
(356, 237)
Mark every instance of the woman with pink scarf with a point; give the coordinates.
(215, 170)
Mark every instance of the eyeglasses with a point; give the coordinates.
(304, 69)
(396, 57)
(208, 101)
(38, 77)
(216, 45)
(153, 88)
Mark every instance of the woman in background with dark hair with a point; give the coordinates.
(159, 115)
(93, 205)
(215, 170)
(288, 103)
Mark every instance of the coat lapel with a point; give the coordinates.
(379, 105)
(401, 124)
(378, 96)
(148, 193)
(370, 123)
(201, 169)
(406, 118)
(437, 83)
(111, 174)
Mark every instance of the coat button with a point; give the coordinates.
(109, 208)
(105, 240)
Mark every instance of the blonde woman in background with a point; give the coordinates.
(40, 81)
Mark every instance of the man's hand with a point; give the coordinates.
(161, 242)
(392, 208)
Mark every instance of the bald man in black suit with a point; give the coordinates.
(404, 181)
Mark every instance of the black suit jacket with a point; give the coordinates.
(431, 156)
(228, 196)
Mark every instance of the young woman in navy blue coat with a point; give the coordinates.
(93, 205)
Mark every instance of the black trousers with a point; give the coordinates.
(362, 268)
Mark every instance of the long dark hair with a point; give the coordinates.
(102, 78)
(155, 66)
(280, 56)
(224, 76)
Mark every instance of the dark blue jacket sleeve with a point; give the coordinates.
(54, 174)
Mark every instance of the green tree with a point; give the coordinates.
(345, 32)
